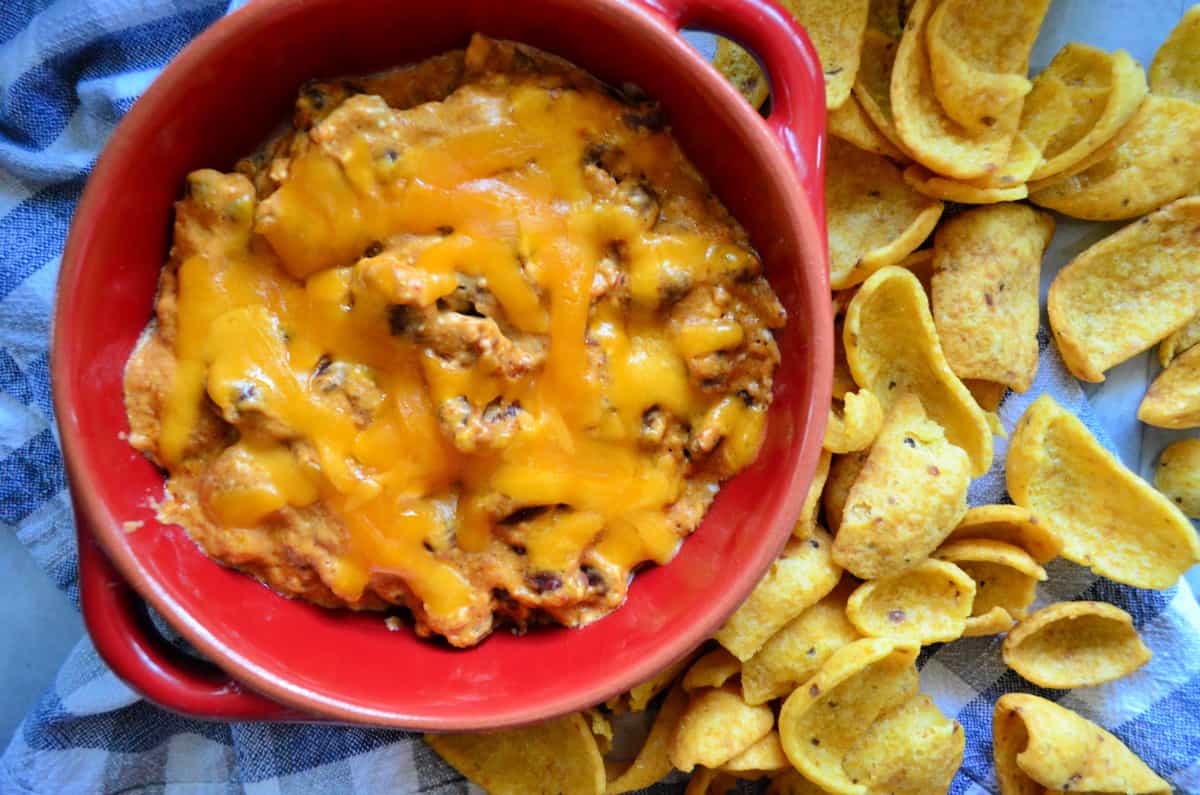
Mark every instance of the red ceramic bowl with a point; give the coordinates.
(290, 660)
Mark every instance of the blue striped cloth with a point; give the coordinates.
(68, 70)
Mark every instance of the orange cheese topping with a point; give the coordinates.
(514, 210)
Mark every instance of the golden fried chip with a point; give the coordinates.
(907, 498)
(1078, 103)
(856, 425)
(1005, 576)
(716, 726)
(987, 266)
(823, 719)
(921, 264)
(637, 699)
(1179, 341)
(926, 604)
(988, 394)
(807, 523)
(1173, 400)
(1023, 159)
(934, 139)
(653, 760)
(712, 670)
(843, 471)
(912, 749)
(1128, 291)
(790, 782)
(885, 16)
(602, 729)
(927, 183)
(794, 653)
(1178, 475)
(873, 86)
(761, 759)
(802, 574)
(1108, 518)
(1175, 71)
(1039, 744)
(851, 124)
(892, 348)
(741, 69)
(979, 58)
(835, 28)
(544, 759)
(1075, 644)
(1156, 163)
(1011, 524)
(874, 218)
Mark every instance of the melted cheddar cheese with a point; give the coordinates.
(484, 354)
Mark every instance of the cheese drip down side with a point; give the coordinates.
(535, 420)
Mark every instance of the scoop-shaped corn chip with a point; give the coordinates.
(921, 265)
(887, 17)
(843, 471)
(602, 728)
(653, 760)
(822, 720)
(988, 394)
(873, 87)
(1038, 744)
(1075, 644)
(790, 782)
(907, 498)
(1156, 162)
(761, 759)
(794, 653)
(716, 726)
(544, 759)
(802, 574)
(1005, 576)
(851, 124)
(934, 139)
(874, 218)
(1023, 159)
(1175, 71)
(712, 670)
(979, 59)
(926, 604)
(927, 183)
(1179, 341)
(1011, 524)
(1078, 103)
(1173, 400)
(637, 699)
(1178, 475)
(987, 266)
(836, 30)
(1108, 518)
(911, 750)
(1128, 291)
(856, 426)
(807, 522)
(892, 348)
(740, 68)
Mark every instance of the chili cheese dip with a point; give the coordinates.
(472, 337)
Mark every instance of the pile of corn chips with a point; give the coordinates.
(812, 683)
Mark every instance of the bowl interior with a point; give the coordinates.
(219, 99)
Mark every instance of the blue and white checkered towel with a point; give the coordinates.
(68, 70)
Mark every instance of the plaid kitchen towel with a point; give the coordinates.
(68, 70)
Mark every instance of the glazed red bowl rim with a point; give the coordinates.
(98, 515)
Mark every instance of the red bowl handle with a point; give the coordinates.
(127, 640)
(797, 81)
